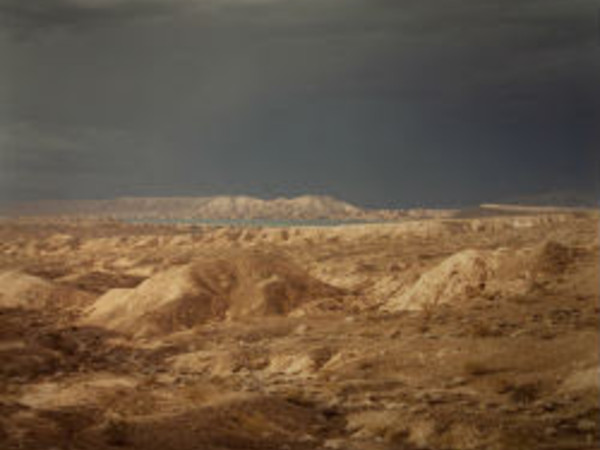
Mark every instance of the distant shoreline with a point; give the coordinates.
(255, 223)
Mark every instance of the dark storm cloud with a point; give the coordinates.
(31, 16)
(378, 101)
(453, 17)
(45, 160)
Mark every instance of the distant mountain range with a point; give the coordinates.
(557, 199)
(209, 208)
(307, 207)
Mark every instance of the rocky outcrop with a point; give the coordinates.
(22, 290)
(221, 287)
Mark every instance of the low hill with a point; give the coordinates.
(231, 285)
(208, 208)
(569, 199)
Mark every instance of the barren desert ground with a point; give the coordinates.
(473, 333)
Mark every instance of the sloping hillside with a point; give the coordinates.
(232, 285)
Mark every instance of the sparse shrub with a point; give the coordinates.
(522, 393)
(117, 433)
(255, 423)
(518, 439)
(428, 310)
(298, 398)
(366, 267)
(397, 267)
(525, 393)
(3, 433)
(198, 393)
(477, 368)
(484, 330)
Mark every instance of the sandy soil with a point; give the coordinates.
(474, 333)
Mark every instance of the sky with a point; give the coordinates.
(383, 103)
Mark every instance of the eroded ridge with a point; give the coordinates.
(475, 333)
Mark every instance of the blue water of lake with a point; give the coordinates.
(256, 223)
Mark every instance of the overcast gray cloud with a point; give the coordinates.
(450, 18)
(43, 160)
(380, 101)
(32, 17)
